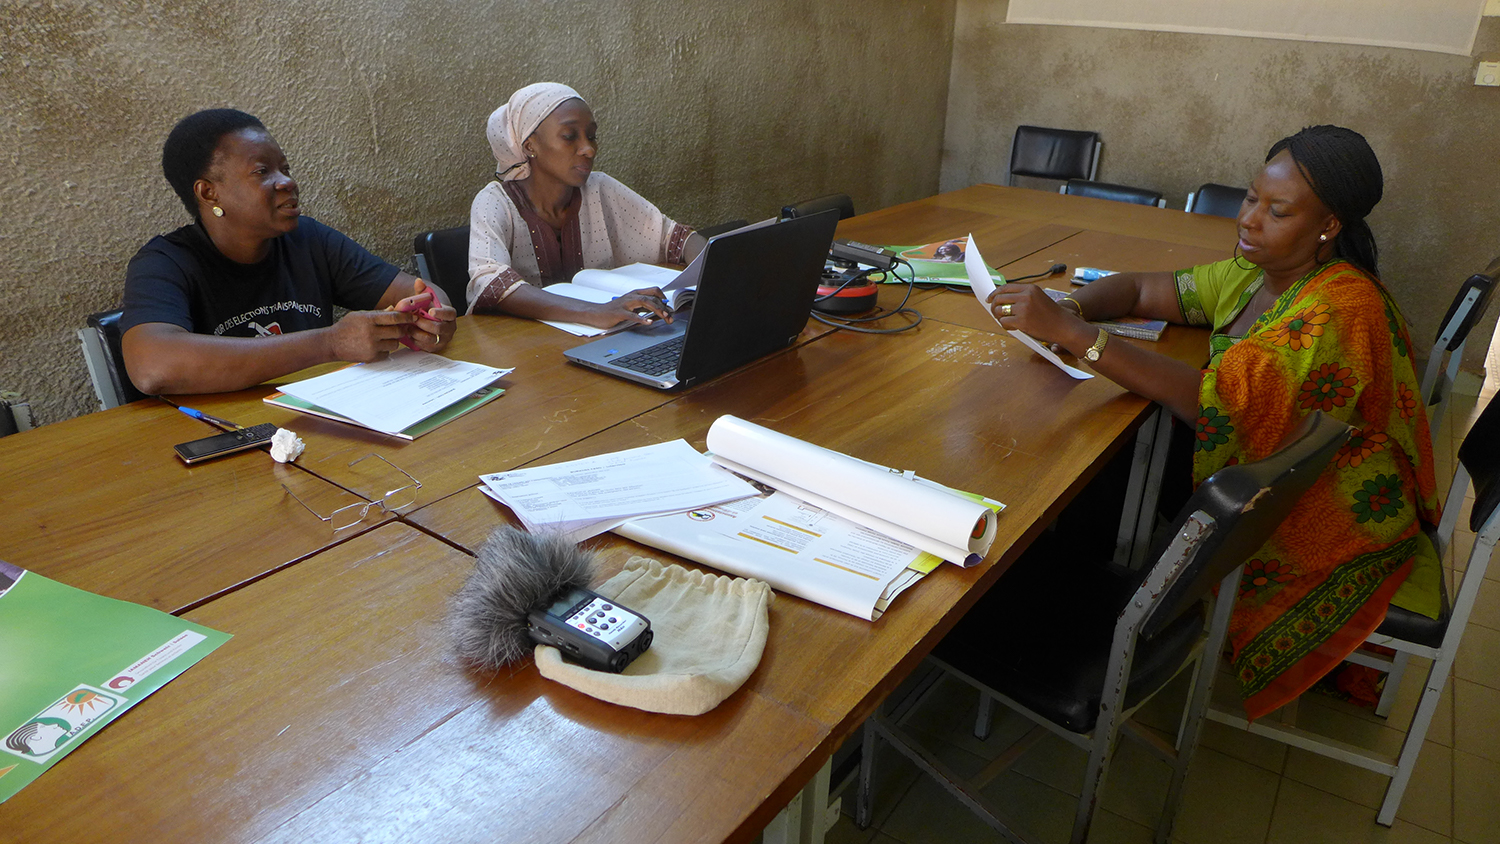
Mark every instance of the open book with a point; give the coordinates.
(836, 530)
(599, 286)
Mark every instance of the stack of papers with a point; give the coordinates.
(394, 395)
(583, 498)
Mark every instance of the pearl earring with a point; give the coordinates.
(1322, 238)
(218, 212)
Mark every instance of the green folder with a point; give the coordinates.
(71, 662)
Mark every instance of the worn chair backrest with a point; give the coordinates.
(1218, 200)
(1247, 503)
(443, 259)
(113, 383)
(1044, 153)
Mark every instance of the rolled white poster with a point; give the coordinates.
(935, 520)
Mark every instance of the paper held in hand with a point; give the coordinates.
(582, 498)
(979, 279)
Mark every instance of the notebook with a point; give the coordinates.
(755, 290)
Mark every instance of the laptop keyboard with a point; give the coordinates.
(657, 360)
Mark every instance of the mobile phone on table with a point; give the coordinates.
(591, 630)
(226, 443)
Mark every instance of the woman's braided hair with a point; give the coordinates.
(1343, 171)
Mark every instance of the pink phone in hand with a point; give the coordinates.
(421, 304)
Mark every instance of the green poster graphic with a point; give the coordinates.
(72, 661)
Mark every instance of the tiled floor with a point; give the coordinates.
(1241, 788)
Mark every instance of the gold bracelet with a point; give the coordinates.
(1075, 304)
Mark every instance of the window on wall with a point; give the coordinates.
(1442, 26)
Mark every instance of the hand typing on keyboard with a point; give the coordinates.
(643, 307)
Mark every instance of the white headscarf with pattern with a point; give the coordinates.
(511, 124)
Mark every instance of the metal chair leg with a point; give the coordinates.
(986, 717)
(863, 811)
(1392, 684)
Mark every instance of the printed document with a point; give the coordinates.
(948, 524)
(393, 394)
(979, 280)
(664, 478)
(795, 547)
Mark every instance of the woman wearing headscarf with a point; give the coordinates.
(548, 214)
(1300, 323)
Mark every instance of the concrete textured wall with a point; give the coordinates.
(1176, 110)
(712, 110)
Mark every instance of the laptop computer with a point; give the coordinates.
(755, 291)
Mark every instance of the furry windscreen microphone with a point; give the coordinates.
(515, 573)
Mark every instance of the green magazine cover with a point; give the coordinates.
(71, 662)
(940, 262)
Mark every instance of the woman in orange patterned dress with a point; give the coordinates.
(1300, 322)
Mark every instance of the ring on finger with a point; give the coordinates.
(1005, 310)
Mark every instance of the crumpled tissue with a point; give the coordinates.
(286, 447)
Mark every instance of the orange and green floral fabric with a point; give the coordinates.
(1334, 342)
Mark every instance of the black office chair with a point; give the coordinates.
(1044, 153)
(726, 226)
(1218, 200)
(1466, 309)
(106, 361)
(1078, 646)
(15, 414)
(807, 207)
(443, 259)
(1116, 193)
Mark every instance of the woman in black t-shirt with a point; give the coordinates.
(246, 292)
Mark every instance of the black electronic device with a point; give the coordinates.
(226, 443)
(591, 630)
(854, 252)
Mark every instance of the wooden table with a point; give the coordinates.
(338, 713)
(102, 503)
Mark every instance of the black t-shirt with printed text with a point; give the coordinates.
(182, 279)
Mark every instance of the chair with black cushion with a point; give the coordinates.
(443, 259)
(1061, 154)
(1467, 307)
(1218, 200)
(1114, 193)
(105, 360)
(721, 228)
(806, 208)
(1078, 645)
(1413, 634)
(15, 414)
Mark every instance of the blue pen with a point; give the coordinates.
(212, 420)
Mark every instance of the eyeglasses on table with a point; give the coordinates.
(393, 501)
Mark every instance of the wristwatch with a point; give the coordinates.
(1097, 349)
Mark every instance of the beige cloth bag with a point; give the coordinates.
(710, 631)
